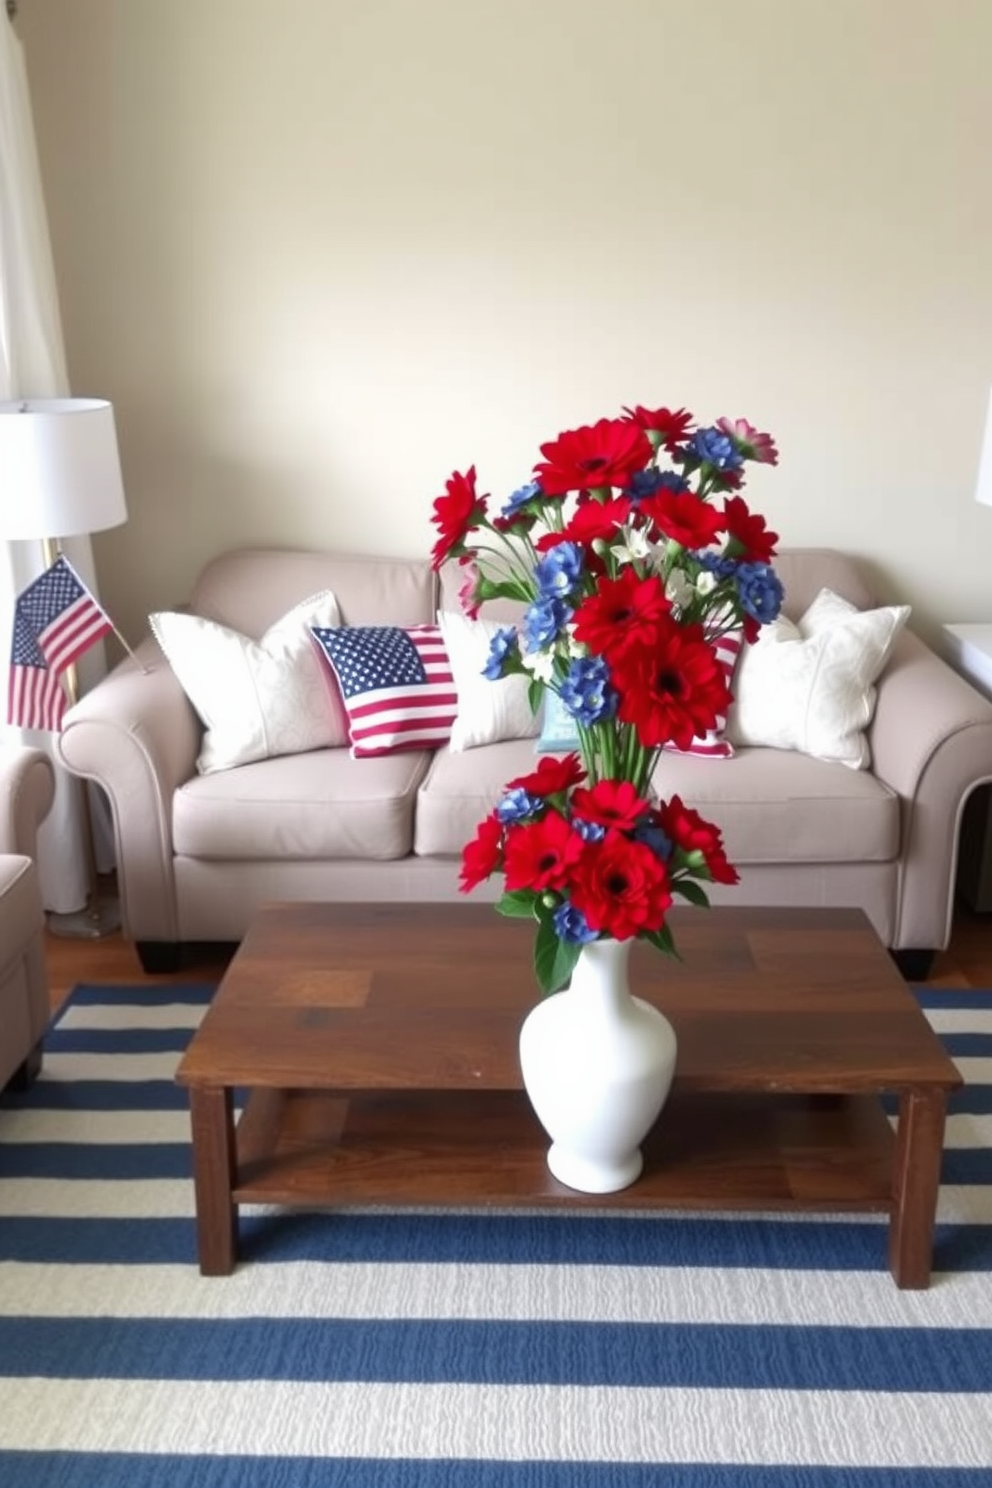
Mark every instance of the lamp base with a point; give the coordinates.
(100, 917)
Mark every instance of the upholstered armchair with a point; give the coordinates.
(27, 789)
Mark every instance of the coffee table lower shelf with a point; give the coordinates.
(317, 1149)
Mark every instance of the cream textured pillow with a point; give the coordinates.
(487, 711)
(256, 698)
(811, 687)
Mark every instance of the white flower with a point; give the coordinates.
(679, 590)
(705, 582)
(541, 663)
(633, 547)
(575, 648)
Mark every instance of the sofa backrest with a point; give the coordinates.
(249, 589)
(805, 571)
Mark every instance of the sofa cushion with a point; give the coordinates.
(255, 698)
(488, 710)
(396, 683)
(306, 806)
(811, 686)
(772, 806)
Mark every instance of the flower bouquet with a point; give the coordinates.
(632, 555)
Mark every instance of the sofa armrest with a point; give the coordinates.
(136, 735)
(931, 743)
(27, 790)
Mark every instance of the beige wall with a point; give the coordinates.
(321, 252)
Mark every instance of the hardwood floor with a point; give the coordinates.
(967, 962)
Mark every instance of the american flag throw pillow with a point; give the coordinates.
(396, 684)
(713, 745)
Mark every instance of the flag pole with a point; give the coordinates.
(146, 671)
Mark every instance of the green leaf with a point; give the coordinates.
(517, 904)
(554, 959)
(662, 940)
(692, 891)
(535, 694)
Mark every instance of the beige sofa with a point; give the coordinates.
(27, 789)
(197, 853)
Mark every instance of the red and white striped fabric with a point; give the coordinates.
(713, 745)
(396, 685)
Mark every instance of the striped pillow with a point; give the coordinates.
(396, 684)
(713, 745)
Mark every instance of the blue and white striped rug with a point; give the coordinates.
(431, 1350)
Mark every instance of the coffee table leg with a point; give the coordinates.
(916, 1179)
(214, 1164)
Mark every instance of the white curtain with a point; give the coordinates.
(32, 365)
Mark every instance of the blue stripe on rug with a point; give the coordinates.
(445, 1351)
(117, 1040)
(396, 1238)
(967, 1045)
(145, 994)
(135, 1470)
(76, 1160)
(934, 999)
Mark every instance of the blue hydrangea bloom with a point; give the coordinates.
(516, 805)
(646, 482)
(713, 446)
(586, 692)
(502, 647)
(587, 830)
(543, 621)
(558, 572)
(570, 925)
(760, 590)
(715, 563)
(519, 498)
(653, 837)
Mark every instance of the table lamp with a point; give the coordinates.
(60, 476)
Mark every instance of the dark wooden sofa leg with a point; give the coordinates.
(26, 1074)
(915, 965)
(159, 957)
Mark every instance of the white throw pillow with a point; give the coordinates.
(256, 698)
(487, 711)
(810, 687)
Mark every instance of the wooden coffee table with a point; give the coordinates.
(379, 1047)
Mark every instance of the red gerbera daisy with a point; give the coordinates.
(672, 689)
(481, 857)
(750, 539)
(619, 613)
(621, 887)
(597, 519)
(610, 803)
(681, 516)
(551, 777)
(455, 514)
(693, 834)
(541, 854)
(667, 427)
(603, 454)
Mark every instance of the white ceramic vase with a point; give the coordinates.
(597, 1065)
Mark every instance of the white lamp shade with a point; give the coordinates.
(983, 490)
(60, 471)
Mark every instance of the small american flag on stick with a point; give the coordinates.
(56, 619)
